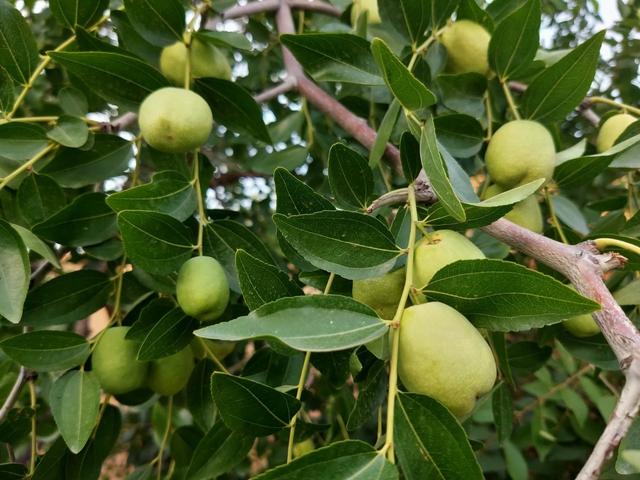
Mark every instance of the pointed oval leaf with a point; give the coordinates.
(155, 241)
(169, 335)
(75, 400)
(14, 273)
(317, 323)
(39, 197)
(72, 13)
(505, 296)
(296, 197)
(18, 58)
(21, 141)
(250, 407)
(47, 350)
(35, 244)
(69, 131)
(350, 177)
(160, 22)
(353, 245)
(409, 17)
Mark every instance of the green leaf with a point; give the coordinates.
(69, 131)
(515, 461)
(67, 298)
(149, 316)
(14, 273)
(71, 13)
(409, 17)
(218, 452)
(51, 465)
(441, 11)
(75, 399)
(22, 141)
(108, 157)
(594, 349)
(167, 336)
(35, 244)
(338, 323)
(463, 93)
(250, 407)
(199, 399)
(47, 350)
(10, 471)
(371, 394)
(352, 245)
(117, 78)
(502, 406)
(130, 39)
(349, 459)
(430, 443)
(160, 22)
(39, 197)
(296, 197)
(335, 57)
(505, 296)
(168, 192)
(7, 94)
(223, 238)
(155, 241)
(289, 158)
(410, 156)
(86, 221)
(515, 41)
(527, 357)
(435, 170)
(350, 177)
(384, 133)
(234, 107)
(561, 87)
(18, 58)
(224, 39)
(410, 92)
(462, 135)
(262, 282)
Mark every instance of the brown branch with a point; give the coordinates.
(251, 8)
(284, 87)
(315, 6)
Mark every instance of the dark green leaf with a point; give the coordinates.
(463, 93)
(289, 158)
(349, 459)
(262, 282)
(69, 131)
(149, 316)
(593, 349)
(14, 273)
(160, 22)
(18, 58)
(515, 41)
(430, 443)
(224, 39)
(130, 39)
(75, 399)
(505, 296)
(350, 244)
(47, 350)
(335, 57)
(10, 471)
(527, 357)
(460, 134)
(561, 87)
(86, 221)
(168, 192)
(117, 78)
(35, 244)
(350, 177)
(77, 12)
(218, 452)
(39, 197)
(67, 298)
(502, 406)
(7, 87)
(199, 400)
(233, 106)
(435, 170)
(409, 17)
(410, 156)
(441, 11)
(250, 407)
(338, 323)
(384, 133)
(155, 241)
(108, 157)
(169, 335)
(20, 140)
(51, 465)
(296, 197)
(371, 393)
(410, 92)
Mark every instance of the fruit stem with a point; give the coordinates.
(613, 103)
(387, 448)
(510, 101)
(165, 437)
(302, 380)
(554, 219)
(28, 165)
(202, 214)
(489, 112)
(603, 243)
(212, 356)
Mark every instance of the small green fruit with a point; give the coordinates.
(169, 375)
(219, 348)
(381, 293)
(202, 288)
(442, 355)
(369, 6)
(611, 129)
(206, 61)
(582, 326)
(304, 447)
(175, 120)
(520, 152)
(467, 45)
(526, 213)
(438, 249)
(115, 364)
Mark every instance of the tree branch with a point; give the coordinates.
(284, 87)
(315, 6)
(251, 8)
(12, 398)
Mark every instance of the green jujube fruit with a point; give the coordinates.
(444, 356)
(467, 45)
(381, 293)
(175, 120)
(520, 152)
(526, 213)
(582, 326)
(369, 6)
(438, 249)
(611, 129)
(115, 363)
(169, 375)
(206, 61)
(202, 288)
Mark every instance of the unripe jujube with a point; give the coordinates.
(467, 45)
(168, 375)
(526, 213)
(611, 129)
(381, 293)
(202, 288)
(206, 61)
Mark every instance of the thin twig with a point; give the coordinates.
(12, 398)
(251, 8)
(284, 87)
(315, 6)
